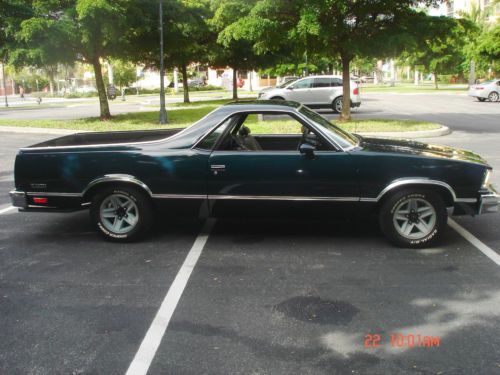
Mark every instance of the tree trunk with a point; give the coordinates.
(51, 81)
(436, 80)
(235, 84)
(101, 89)
(346, 87)
(185, 85)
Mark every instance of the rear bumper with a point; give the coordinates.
(18, 199)
(56, 203)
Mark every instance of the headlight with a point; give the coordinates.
(486, 181)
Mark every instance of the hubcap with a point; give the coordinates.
(494, 97)
(338, 105)
(119, 213)
(414, 218)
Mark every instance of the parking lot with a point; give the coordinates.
(263, 297)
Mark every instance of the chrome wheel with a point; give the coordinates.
(414, 218)
(119, 213)
(493, 97)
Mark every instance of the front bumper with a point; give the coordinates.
(488, 203)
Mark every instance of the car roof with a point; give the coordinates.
(262, 105)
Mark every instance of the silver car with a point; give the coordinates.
(315, 92)
(487, 90)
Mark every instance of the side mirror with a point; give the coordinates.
(290, 88)
(307, 150)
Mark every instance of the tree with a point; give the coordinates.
(91, 30)
(231, 48)
(441, 44)
(124, 73)
(488, 47)
(341, 29)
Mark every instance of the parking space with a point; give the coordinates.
(265, 297)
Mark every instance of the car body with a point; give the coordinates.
(489, 90)
(315, 92)
(215, 168)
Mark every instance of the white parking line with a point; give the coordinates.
(493, 255)
(5, 210)
(144, 356)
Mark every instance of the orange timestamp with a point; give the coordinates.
(398, 340)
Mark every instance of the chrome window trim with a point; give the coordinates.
(179, 196)
(295, 111)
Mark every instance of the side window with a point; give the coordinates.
(269, 132)
(336, 82)
(322, 82)
(303, 84)
(210, 140)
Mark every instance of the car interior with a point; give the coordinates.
(239, 135)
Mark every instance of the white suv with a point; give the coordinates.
(315, 92)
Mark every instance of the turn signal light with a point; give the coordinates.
(39, 200)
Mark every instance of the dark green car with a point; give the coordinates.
(248, 158)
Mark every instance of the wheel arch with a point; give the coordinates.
(113, 180)
(277, 97)
(440, 187)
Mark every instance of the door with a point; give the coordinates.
(300, 91)
(273, 172)
(322, 91)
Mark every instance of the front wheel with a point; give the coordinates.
(121, 214)
(493, 97)
(413, 218)
(337, 105)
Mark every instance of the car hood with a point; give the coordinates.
(401, 146)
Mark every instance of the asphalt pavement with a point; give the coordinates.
(264, 296)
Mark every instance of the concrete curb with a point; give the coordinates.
(444, 130)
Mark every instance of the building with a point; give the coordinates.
(456, 8)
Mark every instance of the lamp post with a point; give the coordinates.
(163, 111)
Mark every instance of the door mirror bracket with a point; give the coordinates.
(307, 150)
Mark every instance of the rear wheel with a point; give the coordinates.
(122, 214)
(413, 218)
(493, 97)
(337, 105)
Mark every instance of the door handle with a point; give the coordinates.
(218, 166)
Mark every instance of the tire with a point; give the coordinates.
(420, 231)
(337, 105)
(277, 98)
(481, 99)
(493, 97)
(122, 214)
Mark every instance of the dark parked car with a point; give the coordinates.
(265, 156)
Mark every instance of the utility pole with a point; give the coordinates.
(163, 111)
(4, 86)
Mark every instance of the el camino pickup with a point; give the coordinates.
(266, 157)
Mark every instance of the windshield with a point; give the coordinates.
(343, 138)
(286, 83)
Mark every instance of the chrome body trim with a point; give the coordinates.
(52, 194)
(117, 178)
(411, 181)
(283, 198)
(179, 196)
(466, 200)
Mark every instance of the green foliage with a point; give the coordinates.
(488, 47)
(124, 73)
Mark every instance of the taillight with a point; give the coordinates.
(479, 88)
(355, 91)
(39, 200)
